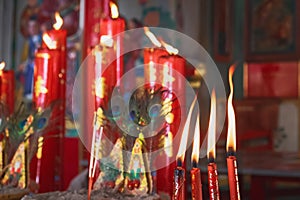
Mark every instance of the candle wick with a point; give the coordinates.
(179, 163)
(211, 160)
(194, 164)
(231, 152)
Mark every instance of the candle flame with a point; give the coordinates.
(114, 10)
(196, 144)
(211, 148)
(231, 130)
(152, 37)
(185, 133)
(170, 49)
(2, 65)
(106, 40)
(51, 44)
(59, 21)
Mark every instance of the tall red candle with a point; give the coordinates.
(213, 185)
(50, 168)
(110, 26)
(170, 80)
(231, 144)
(7, 84)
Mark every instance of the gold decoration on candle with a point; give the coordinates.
(40, 148)
(40, 87)
(99, 118)
(100, 87)
(51, 44)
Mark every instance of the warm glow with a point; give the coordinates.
(51, 44)
(59, 21)
(114, 10)
(211, 141)
(231, 131)
(152, 37)
(169, 48)
(196, 144)
(2, 65)
(106, 40)
(185, 133)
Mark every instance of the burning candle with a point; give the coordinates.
(195, 172)
(231, 144)
(213, 186)
(7, 87)
(109, 27)
(151, 58)
(179, 172)
(55, 40)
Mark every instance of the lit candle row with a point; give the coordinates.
(213, 186)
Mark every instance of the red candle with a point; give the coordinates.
(169, 62)
(213, 186)
(179, 181)
(109, 27)
(231, 144)
(179, 172)
(7, 83)
(195, 172)
(196, 184)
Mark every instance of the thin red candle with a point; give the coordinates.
(179, 183)
(170, 67)
(7, 87)
(213, 185)
(231, 144)
(196, 183)
(195, 172)
(179, 172)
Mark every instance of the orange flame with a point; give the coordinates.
(211, 146)
(170, 49)
(114, 10)
(152, 37)
(2, 65)
(231, 130)
(51, 44)
(59, 21)
(196, 145)
(185, 133)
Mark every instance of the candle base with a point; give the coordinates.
(233, 178)
(213, 185)
(179, 187)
